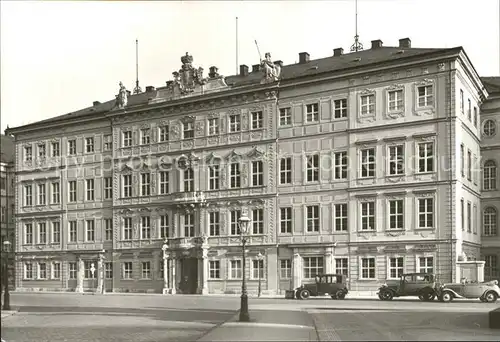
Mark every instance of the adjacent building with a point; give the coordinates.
(365, 163)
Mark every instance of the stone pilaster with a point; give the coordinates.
(328, 262)
(204, 269)
(79, 275)
(100, 274)
(297, 270)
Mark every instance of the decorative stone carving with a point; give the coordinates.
(188, 118)
(441, 66)
(175, 131)
(200, 128)
(122, 97)
(271, 71)
(255, 153)
(233, 156)
(188, 77)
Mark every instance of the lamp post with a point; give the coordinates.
(6, 295)
(260, 257)
(244, 223)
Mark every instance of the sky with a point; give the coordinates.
(58, 57)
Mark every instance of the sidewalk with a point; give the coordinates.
(7, 313)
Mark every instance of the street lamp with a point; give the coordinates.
(260, 257)
(244, 223)
(6, 295)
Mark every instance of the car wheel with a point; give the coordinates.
(385, 295)
(490, 297)
(426, 296)
(446, 296)
(305, 294)
(340, 294)
(333, 296)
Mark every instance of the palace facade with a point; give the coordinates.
(365, 163)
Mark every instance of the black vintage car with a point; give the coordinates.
(326, 284)
(422, 285)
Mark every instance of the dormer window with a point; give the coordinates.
(188, 130)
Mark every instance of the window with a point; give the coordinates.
(234, 123)
(214, 269)
(108, 270)
(164, 180)
(235, 269)
(469, 165)
(127, 228)
(72, 231)
(425, 96)
(214, 177)
(189, 225)
(340, 217)
(164, 224)
(28, 153)
(368, 162)
(425, 265)
(163, 133)
(340, 108)
(425, 213)
(312, 112)
(475, 117)
(469, 110)
(188, 130)
(368, 104)
(2, 215)
(28, 195)
(285, 268)
(72, 147)
(474, 219)
(90, 230)
(42, 270)
(127, 185)
(145, 136)
(3, 183)
(257, 120)
(127, 138)
(56, 232)
(28, 234)
(469, 217)
(89, 145)
(342, 266)
(213, 126)
(340, 165)
(41, 194)
(56, 152)
(89, 189)
(257, 269)
(490, 222)
(367, 268)
(258, 221)
(257, 173)
(396, 267)
(56, 270)
(490, 266)
(312, 266)
(146, 269)
(462, 109)
(42, 233)
(28, 271)
(286, 220)
(462, 213)
(396, 100)
(312, 168)
(396, 214)
(235, 175)
(55, 193)
(490, 175)
(72, 191)
(145, 184)
(312, 218)
(108, 188)
(368, 215)
(108, 142)
(489, 128)
(72, 270)
(286, 170)
(396, 160)
(235, 216)
(426, 157)
(127, 270)
(188, 180)
(285, 116)
(462, 160)
(108, 229)
(214, 223)
(145, 227)
(42, 153)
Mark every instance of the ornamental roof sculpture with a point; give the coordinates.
(271, 70)
(187, 78)
(122, 97)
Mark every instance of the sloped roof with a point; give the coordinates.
(7, 149)
(492, 84)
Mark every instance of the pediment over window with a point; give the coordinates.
(425, 81)
(233, 155)
(126, 168)
(395, 87)
(256, 153)
(425, 247)
(125, 212)
(367, 249)
(213, 158)
(188, 118)
(395, 249)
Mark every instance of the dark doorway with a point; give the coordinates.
(189, 275)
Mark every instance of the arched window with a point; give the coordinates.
(489, 128)
(490, 221)
(490, 175)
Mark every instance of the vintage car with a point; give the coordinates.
(487, 292)
(422, 285)
(326, 284)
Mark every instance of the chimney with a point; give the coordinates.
(255, 67)
(150, 89)
(169, 83)
(303, 57)
(338, 52)
(280, 63)
(213, 72)
(95, 103)
(405, 43)
(376, 44)
(243, 70)
(128, 92)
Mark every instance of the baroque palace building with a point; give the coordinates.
(364, 163)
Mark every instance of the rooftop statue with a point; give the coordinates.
(271, 71)
(122, 97)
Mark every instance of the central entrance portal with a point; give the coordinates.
(189, 275)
